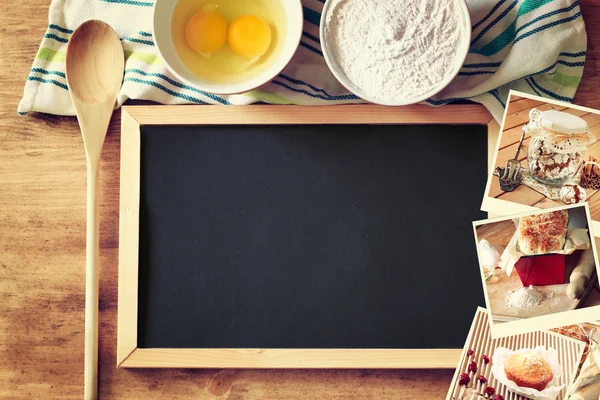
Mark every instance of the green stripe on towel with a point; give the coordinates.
(50, 55)
(148, 58)
(564, 80)
(266, 97)
(508, 35)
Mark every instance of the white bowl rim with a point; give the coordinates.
(234, 88)
(462, 53)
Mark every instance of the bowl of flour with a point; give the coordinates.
(395, 52)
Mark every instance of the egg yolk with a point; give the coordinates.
(250, 36)
(206, 32)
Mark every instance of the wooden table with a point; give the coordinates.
(42, 259)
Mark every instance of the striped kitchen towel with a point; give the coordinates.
(534, 46)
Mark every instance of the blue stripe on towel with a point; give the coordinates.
(60, 28)
(496, 94)
(551, 67)
(571, 64)
(450, 100)
(177, 84)
(580, 54)
(532, 32)
(471, 73)
(442, 102)
(57, 38)
(46, 72)
(314, 88)
(509, 34)
(483, 65)
(550, 14)
(532, 88)
(70, 31)
(547, 26)
(42, 80)
(311, 48)
(311, 37)
(166, 90)
(131, 2)
(549, 93)
(492, 11)
(311, 16)
(543, 71)
(494, 22)
(317, 96)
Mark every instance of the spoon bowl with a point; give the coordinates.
(95, 52)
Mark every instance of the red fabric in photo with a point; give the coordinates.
(541, 270)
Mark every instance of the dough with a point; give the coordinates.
(543, 233)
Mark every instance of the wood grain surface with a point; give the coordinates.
(42, 259)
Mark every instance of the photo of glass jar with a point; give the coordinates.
(557, 141)
(547, 155)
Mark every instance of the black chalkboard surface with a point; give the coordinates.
(309, 236)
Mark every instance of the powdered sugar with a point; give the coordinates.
(524, 297)
(396, 49)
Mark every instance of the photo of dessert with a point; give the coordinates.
(539, 365)
(587, 379)
(528, 370)
(547, 156)
(539, 270)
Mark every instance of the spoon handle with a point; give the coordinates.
(92, 262)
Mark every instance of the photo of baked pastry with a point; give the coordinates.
(538, 365)
(539, 269)
(547, 156)
(543, 233)
(528, 370)
(586, 385)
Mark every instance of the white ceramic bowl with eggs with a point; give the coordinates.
(328, 53)
(163, 12)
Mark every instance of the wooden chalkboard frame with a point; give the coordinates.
(133, 117)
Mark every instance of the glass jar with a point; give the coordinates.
(557, 141)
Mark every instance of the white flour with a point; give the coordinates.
(395, 49)
(524, 297)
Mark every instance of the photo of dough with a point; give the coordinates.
(586, 385)
(538, 365)
(539, 270)
(543, 233)
(547, 155)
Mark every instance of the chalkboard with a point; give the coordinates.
(299, 236)
(309, 236)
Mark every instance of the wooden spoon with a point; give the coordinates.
(95, 67)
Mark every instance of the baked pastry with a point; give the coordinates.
(572, 194)
(543, 233)
(547, 164)
(582, 332)
(590, 175)
(528, 370)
